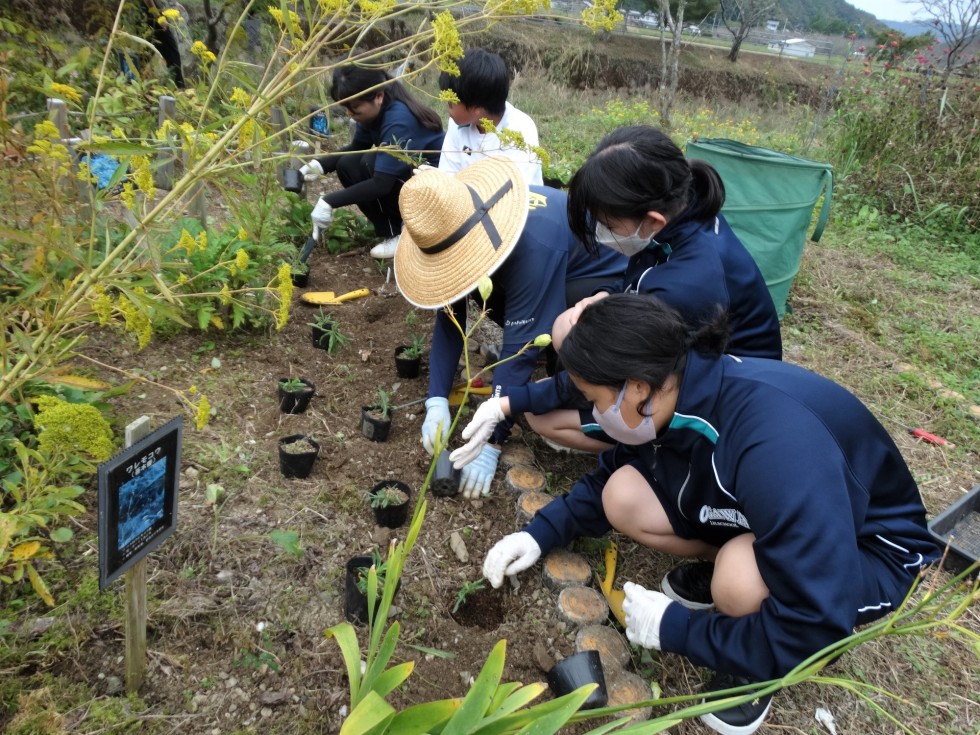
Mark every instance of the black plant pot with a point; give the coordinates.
(445, 478)
(394, 516)
(295, 401)
(578, 670)
(374, 428)
(292, 180)
(355, 601)
(297, 465)
(407, 367)
(300, 279)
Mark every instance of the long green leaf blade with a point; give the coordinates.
(476, 701)
(368, 716)
(346, 638)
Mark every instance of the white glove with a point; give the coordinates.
(478, 431)
(311, 170)
(322, 216)
(477, 476)
(510, 555)
(423, 167)
(435, 428)
(644, 610)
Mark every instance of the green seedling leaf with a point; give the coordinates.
(216, 362)
(61, 535)
(213, 492)
(288, 541)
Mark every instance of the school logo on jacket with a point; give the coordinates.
(722, 517)
(535, 200)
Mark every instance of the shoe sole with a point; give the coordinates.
(689, 604)
(726, 728)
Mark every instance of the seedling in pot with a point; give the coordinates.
(299, 446)
(382, 406)
(326, 333)
(293, 385)
(387, 496)
(466, 590)
(380, 567)
(415, 349)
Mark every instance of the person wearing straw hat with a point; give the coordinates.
(486, 221)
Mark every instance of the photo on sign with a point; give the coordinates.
(318, 123)
(141, 503)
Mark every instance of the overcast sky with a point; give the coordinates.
(888, 9)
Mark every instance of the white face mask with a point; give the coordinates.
(611, 421)
(628, 245)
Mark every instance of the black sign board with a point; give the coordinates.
(138, 500)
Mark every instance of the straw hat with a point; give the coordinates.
(457, 229)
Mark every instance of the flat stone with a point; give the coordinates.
(516, 454)
(521, 479)
(528, 504)
(582, 606)
(563, 568)
(625, 687)
(605, 639)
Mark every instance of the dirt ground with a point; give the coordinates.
(236, 638)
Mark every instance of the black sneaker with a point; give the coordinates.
(743, 719)
(690, 585)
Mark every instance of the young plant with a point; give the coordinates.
(383, 404)
(387, 496)
(298, 267)
(415, 349)
(328, 334)
(292, 385)
(466, 590)
(363, 573)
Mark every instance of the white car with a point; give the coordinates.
(693, 30)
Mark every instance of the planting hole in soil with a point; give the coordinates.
(485, 608)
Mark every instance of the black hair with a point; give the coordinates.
(634, 170)
(629, 336)
(356, 83)
(483, 81)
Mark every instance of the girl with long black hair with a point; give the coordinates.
(385, 115)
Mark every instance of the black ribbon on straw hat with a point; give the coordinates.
(479, 216)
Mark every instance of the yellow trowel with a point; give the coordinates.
(326, 298)
(613, 597)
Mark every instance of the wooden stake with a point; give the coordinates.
(136, 593)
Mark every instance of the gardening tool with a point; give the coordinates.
(613, 597)
(923, 434)
(455, 395)
(307, 249)
(326, 298)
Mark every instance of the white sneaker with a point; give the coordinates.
(385, 249)
(561, 447)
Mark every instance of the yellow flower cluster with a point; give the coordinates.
(241, 98)
(241, 259)
(449, 97)
(128, 196)
(102, 306)
(331, 6)
(65, 91)
(217, 322)
(446, 44)
(372, 9)
(602, 15)
(137, 321)
(246, 134)
(201, 51)
(170, 15)
(143, 175)
(224, 295)
(294, 21)
(47, 145)
(242, 235)
(521, 7)
(285, 288)
(202, 413)
(187, 242)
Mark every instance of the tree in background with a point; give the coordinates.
(669, 59)
(740, 17)
(957, 24)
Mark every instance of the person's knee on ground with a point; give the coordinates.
(737, 586)
(564, 427)
(634, 510)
